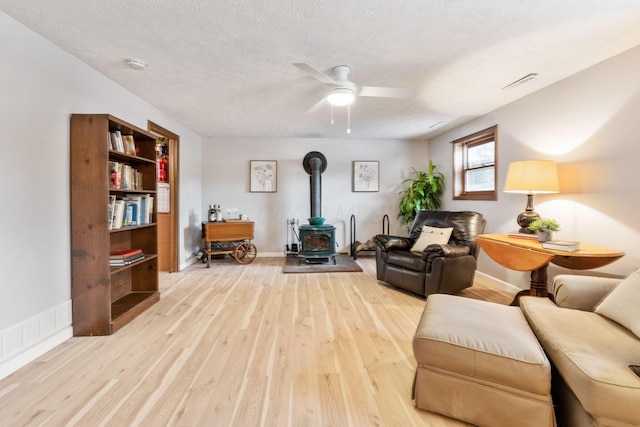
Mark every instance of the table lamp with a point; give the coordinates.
(531, 177)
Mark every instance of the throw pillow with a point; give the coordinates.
(431, 236)
(621, 305)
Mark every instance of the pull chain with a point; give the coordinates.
(348, 118)
(332, 114)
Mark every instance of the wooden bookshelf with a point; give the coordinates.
(104, 299)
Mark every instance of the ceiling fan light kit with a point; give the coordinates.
(341, 96)
(342, 92)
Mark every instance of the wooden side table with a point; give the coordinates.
(529, 255)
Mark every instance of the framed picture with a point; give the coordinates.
(263, 176)
(366, 175)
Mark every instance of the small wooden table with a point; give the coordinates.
(529, 255)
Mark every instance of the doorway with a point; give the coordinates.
(167, 176)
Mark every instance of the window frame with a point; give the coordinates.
(460, 169)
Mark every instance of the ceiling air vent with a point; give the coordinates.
(521, 80)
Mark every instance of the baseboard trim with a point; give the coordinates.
(32, 353)
(29, 339)
(499, 283)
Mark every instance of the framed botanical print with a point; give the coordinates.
(263, 176)
(366, 175)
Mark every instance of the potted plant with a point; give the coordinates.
(544, 228)
(424, 192)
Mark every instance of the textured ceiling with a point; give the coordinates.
(223, 68)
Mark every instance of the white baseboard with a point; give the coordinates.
(500, 283)
(28, 340)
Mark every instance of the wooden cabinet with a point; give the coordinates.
(104, 298)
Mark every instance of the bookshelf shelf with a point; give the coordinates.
(132, 227)
(104, 298)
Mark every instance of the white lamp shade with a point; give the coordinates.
(341, 96)
(532, 177)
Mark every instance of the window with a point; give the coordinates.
(474, 166)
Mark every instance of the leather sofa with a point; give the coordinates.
(593, 382)
(439, 268)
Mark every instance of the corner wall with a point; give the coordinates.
(588, 124)
(42, 85)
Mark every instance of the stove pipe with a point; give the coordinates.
(316, 188)
(315, 163)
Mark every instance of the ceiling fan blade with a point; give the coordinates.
(386, 92)
(320, 104)
(315, 73)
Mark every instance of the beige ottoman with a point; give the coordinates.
(479, 362)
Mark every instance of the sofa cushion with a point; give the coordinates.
(622, 305)
(431, 236)
(581, 292)
(593, 354)
(406, 259)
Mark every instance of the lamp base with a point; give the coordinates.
(526, 218)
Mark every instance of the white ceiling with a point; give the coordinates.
(223, 68)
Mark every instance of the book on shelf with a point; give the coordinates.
(118, 215)
(142, 207)
(126, 261)
(130, 210)
(127, 177)
(124, 253)
(116, 141)
(115, 174)
(518, 235)
(129, 145)
(124, 177)
(111, 210)
(561, 245)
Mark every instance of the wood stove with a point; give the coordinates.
(318, 243)
(317, 239)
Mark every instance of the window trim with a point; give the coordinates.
(460, 147)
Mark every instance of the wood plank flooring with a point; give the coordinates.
(238, 345)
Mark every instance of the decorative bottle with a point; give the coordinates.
(212, 213)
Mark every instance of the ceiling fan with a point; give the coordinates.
(343, 92)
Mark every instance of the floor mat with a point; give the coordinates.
(344, 263)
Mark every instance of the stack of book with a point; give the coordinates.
(561, 245)
(125, 257)
(518, 235)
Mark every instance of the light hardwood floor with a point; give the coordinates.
(238, 345)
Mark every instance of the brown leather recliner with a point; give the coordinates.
(445, 269)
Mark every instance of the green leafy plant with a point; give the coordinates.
(546, 225)
(424, 192)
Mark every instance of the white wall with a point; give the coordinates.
(588, 124)
(225, 181)
(41, 86)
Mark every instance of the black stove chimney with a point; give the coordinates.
(314, 164)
